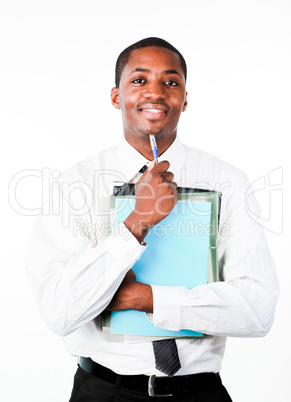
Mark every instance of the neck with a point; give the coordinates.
(143, 146)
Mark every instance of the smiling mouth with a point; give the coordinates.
(153, 114)
(154, 111)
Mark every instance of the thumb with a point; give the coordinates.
(152, 165)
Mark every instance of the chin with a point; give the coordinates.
(152, 131)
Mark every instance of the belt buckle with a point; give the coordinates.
(151, 387)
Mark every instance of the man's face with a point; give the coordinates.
(151, 95)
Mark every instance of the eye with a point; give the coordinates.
(139, 81)
(171, 83)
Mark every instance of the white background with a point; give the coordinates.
(57, 69)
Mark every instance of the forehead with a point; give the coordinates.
(156, 59)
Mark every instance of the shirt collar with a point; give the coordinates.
(176, 154)
(131, 161)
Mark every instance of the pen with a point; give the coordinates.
(154, 147)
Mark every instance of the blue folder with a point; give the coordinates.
(177, 255)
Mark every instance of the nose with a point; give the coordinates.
(155, 90)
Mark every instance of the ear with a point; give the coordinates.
(185, 102)
(115, 98)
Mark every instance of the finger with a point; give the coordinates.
(162, 166)
(168, 176)
(171, 184)
(151, 166)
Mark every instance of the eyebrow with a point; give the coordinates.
(146, 70)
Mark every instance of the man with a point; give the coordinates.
(78, 270)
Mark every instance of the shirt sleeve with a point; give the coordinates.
(243, 302)
(73, 279)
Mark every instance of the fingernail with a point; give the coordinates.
(151, 165)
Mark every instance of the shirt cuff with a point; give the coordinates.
(167, 307)
(124, 246)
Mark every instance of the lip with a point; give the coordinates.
(153, 111)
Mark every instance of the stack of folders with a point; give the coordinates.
(181, 252)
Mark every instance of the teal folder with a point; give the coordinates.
(181, 252)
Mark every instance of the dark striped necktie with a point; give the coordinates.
(166, 356)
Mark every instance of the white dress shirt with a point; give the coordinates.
(75, 264)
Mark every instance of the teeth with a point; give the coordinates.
(153, 110)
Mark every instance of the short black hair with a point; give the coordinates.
(147, 42)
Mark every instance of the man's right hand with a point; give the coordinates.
(156, 195)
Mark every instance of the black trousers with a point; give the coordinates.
(88, 388)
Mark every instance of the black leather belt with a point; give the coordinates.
(155, 386)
